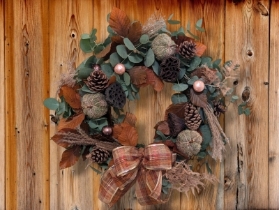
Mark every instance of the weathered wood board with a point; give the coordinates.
(40, 41)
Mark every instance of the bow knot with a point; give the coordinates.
(141, 166)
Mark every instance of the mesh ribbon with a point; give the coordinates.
(143, 167)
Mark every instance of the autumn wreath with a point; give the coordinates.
(91, 122)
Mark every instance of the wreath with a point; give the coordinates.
(92, 124)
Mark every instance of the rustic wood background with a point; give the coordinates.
(39, 39)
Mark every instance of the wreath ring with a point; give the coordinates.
(91, 121)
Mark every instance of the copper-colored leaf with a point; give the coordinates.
(112, 79)
(177, 109)
(169, 143)
(198, 99)
(134, 31)
(126, 134)
(163, 126)
(71, 122)
(57, 137)
(131, 119)
(104, 52)
(138, 75)
(70, 157)
(117, 39)
(71, 96)
(154, 80)
(119, 22)
(200, 48)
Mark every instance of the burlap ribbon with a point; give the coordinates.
(143, 167)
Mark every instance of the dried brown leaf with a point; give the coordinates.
(177, 109)
(130, 119)
(104, 52)
(112, 79)
(163, 126)
(57, 137)
(134, 32)
(198, 99)
(154, 80)
(70, 157)
(71, 122)
(117, 39)
(119, 22)
(126, 134)
(138, 75)
(200, 48)
(71, 96)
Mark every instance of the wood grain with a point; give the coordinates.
(246, 165)
(2, 109)
(213, 38)
(273, 153)
(26, 62)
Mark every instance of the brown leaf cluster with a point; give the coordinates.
(73, 122)
(177, 109)
(142, 76)
(71, 96)
(121, 24)
(126, 132)
(70, 157)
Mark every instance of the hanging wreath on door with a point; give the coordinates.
(91, 122)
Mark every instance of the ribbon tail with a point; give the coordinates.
(149, 187)
(112, 188)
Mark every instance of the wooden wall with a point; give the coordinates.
(39, 39)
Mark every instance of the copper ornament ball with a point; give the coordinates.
(198, 86)
(107, 130)
(119, 69)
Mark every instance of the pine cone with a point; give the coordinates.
(115, 95)
(170, 69)
(192, 117)
(176, 124)
(97, 81)
(187, 49)
(218, 108)
(98, 155)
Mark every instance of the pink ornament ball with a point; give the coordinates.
(119, 69)
(107, 130)
(198, 86)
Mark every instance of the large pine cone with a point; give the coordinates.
(176, 124)
(187, 49)
(97, 81)
(98, 155)
(169, 69)
(115, 95)
(192, 117)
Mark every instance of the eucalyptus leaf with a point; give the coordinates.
(110, 31)
(165, 30)
(194, 64)
(85, 36)
(86, 89)
(114, 59)
(156, 67)
(192, 80)
(173, 22)
(127, 78)
(194, 36)
(234, 98)
(84, 72)
(121, 50)
(144, 39)
(163, 137)
(135, 58)
(86, 46)
(247, 111)
(98, 48)
(51, 103)
(170, 17)
(199, 23)
(90, 61)
(206, 136)
(211, 89)
(180, 87)
(107, 69)
(206, 61)
(181, 72)
(128, 64)
(178, 98)
(150, 58)
(129, 44)
(134, 88)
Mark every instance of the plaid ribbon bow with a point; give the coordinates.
(143, 167)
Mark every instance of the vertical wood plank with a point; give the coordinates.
(2, 108)
(273, 108)
(246, 166)
(26, 70)
(212, 13)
